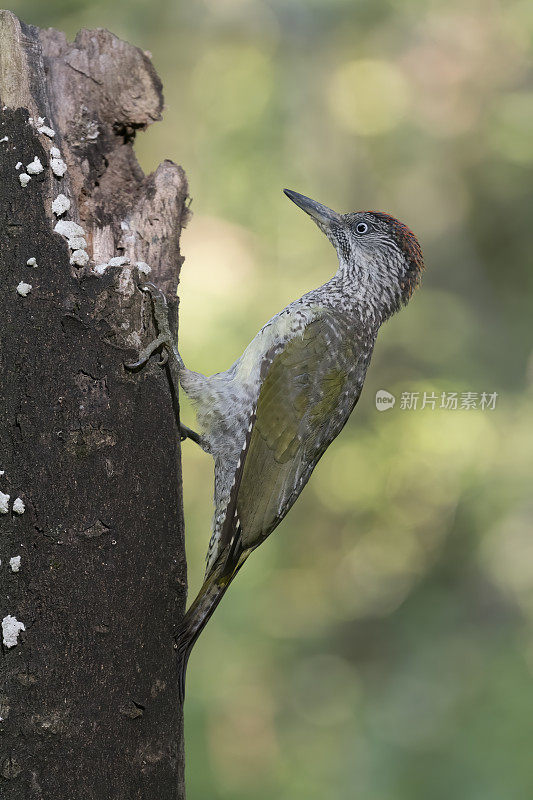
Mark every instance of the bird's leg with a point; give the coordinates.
(170, 357)
(188, 433)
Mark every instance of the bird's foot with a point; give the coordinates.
(147, 352)
(164, 342)
(169, 356)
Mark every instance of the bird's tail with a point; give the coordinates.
(200, 613)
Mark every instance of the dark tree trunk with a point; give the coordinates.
(90, 452)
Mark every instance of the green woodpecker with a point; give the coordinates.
(269, 418)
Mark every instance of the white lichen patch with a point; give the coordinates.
(116, 261)
(143, 267)
(75, 236)
(58, 166)
(18, 506)
(134, 340)
(11, 628)
(55, 152)
(126, 284)
(68, 229)
(92, 130)
(77, 243)
(18, 165)
(14, 563)
(34, 167)
(31, 262)
(4, 503)
(46, 130)
(79, 257)
(5, 139)
(24, 179)
(24, 289)
(60, 205)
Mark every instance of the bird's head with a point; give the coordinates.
(379, 256)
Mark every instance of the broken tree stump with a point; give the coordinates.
(92, 573)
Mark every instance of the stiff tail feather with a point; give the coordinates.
(200, 613)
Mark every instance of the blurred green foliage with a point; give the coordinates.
(380, 645)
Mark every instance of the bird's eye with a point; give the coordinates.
(361, 227)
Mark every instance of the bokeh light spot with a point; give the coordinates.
(368, 96)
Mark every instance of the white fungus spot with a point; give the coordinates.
(14, 563)
(34, 167)
(11, 628)
(99, 269)
(45, 129)
(24, 179)
(55, 152)
(92, 130)
(4, 500)
(18, 506)
(5, 139)
(68, 229)
(60, 205)
(31, 262)
(18, 165)
(77, 243)
(2, 472)
(142, 266)
(58, 167)
(24, 289)
(118, 261)
(79, 257)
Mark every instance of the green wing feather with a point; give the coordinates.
(302, 406)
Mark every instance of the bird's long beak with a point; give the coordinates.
(322, 215)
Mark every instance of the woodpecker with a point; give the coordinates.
(269, 418)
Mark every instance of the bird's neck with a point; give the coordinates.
(364, 292)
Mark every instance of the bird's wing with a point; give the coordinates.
(306, 397)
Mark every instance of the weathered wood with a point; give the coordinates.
(88, 694)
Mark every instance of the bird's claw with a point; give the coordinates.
(133, 365)
(146, 355)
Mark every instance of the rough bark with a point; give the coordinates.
(88, 694)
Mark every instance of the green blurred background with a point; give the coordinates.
(380, 645)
